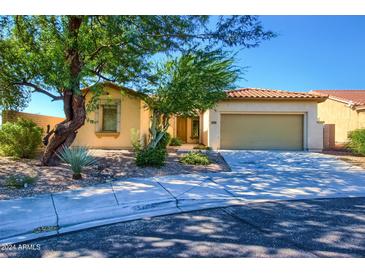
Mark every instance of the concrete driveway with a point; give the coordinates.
(274, 175)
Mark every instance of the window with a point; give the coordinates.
(195, 128)
(110, 118)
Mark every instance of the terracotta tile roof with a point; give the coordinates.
(353, 97)
(260, 93)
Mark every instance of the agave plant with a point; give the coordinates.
(77, 158)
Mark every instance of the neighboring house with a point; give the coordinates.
(248, 119)
(344, 111)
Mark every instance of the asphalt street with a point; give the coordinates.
(303, 228)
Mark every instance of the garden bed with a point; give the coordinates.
(347, 156)
(112, 164)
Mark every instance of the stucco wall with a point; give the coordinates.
(42, 121)
(205, 127)
(132, 115)
(313, 130)
(144, 122)
(342, 116)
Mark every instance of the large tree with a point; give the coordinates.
(186, 86)
(59, 55)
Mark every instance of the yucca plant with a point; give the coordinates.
(77, 158)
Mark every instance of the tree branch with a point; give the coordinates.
(39, 89)
(102, 76)
(93, 55)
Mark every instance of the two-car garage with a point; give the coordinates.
(262, 131)
(262, 119)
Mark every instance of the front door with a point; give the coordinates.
(181, 128)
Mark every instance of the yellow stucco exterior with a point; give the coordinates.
(342, 116)
(132, 114)
(128, 111)
(312, 128)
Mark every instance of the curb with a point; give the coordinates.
(148, 211)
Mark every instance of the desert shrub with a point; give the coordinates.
(151, 157)
(20, 139)
(19, 181)
(77, 158)
(135, 140)
(165, 140)
(195, 158)
(202, 147)
(175, 141)
(357, 141)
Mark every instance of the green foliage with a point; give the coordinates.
(194, 81)
(34, 50)
(190, 83)
(164, 141)
(175, 141)
(154, 157)
(135, 140)
(195, 158)
(158, 128)
(77, 158)
(20, 139)
(357, 141)
(19, 181)
(202, 147)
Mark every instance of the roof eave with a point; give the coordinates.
(318, 100)
(360, 108)
(117, 87)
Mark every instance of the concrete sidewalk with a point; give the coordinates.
(29, 218)
(255, 177)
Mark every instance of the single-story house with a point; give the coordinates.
(249, 118)
(344, 111)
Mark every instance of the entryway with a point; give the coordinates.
(187, 129)
(181, 128)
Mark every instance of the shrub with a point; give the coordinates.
(135, 140)
(165, 140)
(20, 139)
(357, 141)
(77, 158)
(195, 158)
(151, 157)
(19, 181)
(175, 141)
(202, 147)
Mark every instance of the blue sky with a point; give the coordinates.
(311, 52)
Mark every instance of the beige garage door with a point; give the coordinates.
(262, 131)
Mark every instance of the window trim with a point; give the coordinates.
(103, 118)
(99, 118)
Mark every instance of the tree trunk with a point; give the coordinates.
(65, 132)
(73, 101)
